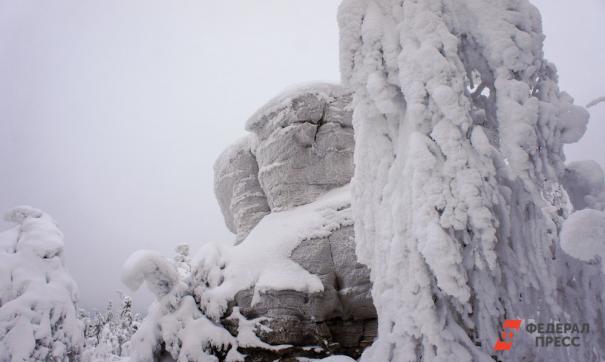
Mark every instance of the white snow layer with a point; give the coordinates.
(583, 235)
(262, 260)
(328, 359)
(38, 320)
(188, 310)
(457, 196)
(282, 111)
(151, 267)
(585, 185)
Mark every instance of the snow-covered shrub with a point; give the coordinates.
(457, 196)
(147, 266)
(174, 322)
(38, 319)
(108, 334)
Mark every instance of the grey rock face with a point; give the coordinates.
(346, 283)
(304, 144)
(301, 146)
(341, 319)
(352, 278)
(242, 200)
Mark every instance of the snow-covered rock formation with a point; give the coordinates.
(239, 194)
(301, 146)
(303, 143)
(458, 196)
(38, 319)
(291, 285)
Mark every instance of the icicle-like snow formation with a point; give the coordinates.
(38, 320)
(458, 203)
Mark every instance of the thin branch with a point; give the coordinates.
(596, 101)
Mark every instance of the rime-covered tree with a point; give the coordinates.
(182, 260)
(108, 334)
(38, 318)
(458, 191)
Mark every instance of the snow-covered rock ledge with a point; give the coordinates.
(291, 285)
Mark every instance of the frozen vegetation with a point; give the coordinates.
(38, 315)
(458, 193)
(107, 334)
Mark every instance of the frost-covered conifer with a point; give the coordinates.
(457, 194)
(38, 318)
(108, 334)
(183, 260)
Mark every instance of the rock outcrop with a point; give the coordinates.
(240, 197)
(300, 146)
(341, 319)
(290, 286)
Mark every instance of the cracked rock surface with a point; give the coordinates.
(303, 144)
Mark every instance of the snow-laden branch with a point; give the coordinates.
(595, 101)
(151, 267)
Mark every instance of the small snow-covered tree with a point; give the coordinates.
(38, 319)
(174, 321)
(183, 260)
(108, 334)
(457, 194)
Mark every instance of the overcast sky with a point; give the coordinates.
(112, 112)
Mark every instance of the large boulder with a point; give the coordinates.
(303, 144)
